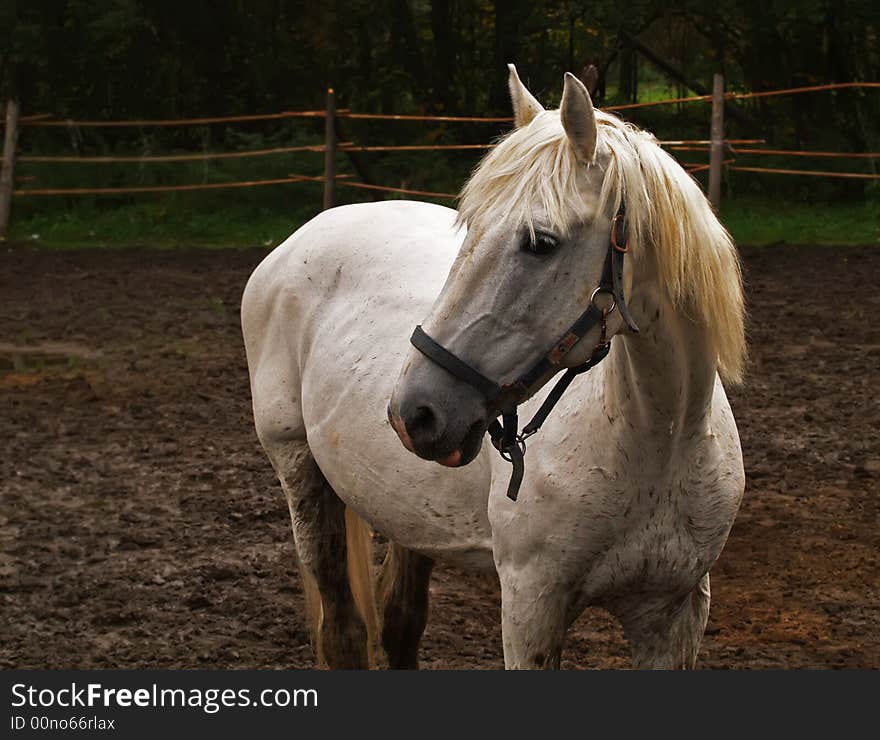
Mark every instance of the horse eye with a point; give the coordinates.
(542, 244)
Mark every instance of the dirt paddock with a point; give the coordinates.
(142, 527)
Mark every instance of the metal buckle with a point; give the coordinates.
(600, 289)
(562, 348)
(604, 342)
(622, 248)
(516, 390)
(520, 442)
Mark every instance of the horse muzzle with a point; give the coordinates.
(438, 422)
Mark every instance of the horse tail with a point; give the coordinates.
(359, 546)
(314, 611)
(359, 549)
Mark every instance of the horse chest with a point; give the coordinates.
(626, 524)
(652, 547)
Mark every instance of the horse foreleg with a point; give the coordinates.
(319, 532)
(534, 618)
(403, 604)
(666, 635)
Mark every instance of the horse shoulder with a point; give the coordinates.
(715, 480)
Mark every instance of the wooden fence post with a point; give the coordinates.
(7, 174)
(716, 151)
(329, 149)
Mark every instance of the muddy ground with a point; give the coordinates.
(141, 525)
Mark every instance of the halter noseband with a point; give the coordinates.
(504, 399)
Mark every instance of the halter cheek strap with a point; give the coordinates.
(504, 399)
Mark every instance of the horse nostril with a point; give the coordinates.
(422, 424)
(423, 418)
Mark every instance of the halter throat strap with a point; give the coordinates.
(504, 399)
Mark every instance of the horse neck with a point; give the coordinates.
(662, 379)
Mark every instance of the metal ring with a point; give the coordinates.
(600, 289)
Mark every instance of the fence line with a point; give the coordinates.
(34, 117)
(707, 142)
(808, 88)
(172, 157)
(386, 188)
(449, 147)
(784, 152)
(746, 96)
(343, 180)
(652, 103)
(40, 119)
(413, 147)
(813, 173)
(177, 121)
(807, 153)
(441, 119)
(346, 146)
(692, 168)
(173, 188)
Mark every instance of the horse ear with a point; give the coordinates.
(525, 107)
(578, 117)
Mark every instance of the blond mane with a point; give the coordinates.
(667, 212)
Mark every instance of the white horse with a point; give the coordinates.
(632, 486)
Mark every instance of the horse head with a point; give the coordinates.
(539, 212)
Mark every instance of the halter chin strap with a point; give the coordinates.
(504, 399)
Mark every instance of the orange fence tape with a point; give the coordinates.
(810, 88)
(33, 117)
(414, 147)
(814, 173)
(342, 147)
(707, 142)
(173, 157)
(784, 152)
(745, 96)
(692, 168)
(182, 121)
(668, 101)
(406, 191)
(443, 147)
(805, 153)
(172, 188)
(450, 119)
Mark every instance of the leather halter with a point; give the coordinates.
(503, 399)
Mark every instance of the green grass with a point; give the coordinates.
(765, 221)
(648, 92)
(152, 224)
(216, 224)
